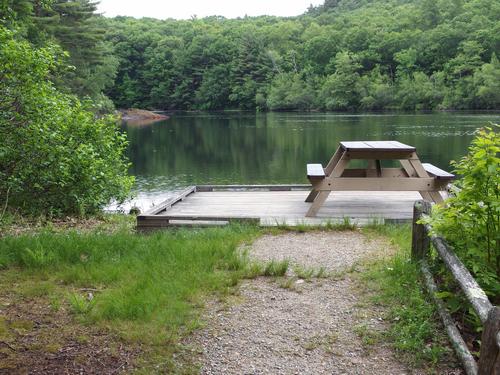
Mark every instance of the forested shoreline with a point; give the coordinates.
(342, 56)
(346, 55)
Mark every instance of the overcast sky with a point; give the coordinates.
(184, 9)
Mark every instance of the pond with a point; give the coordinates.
(272, 148)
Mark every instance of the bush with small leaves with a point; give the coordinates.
(56, 158)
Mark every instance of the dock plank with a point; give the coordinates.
(282, 207)
(271, 204)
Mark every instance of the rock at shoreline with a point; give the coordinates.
(134, 114)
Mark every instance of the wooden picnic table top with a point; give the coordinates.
(376, 146)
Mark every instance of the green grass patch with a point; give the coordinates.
(146, 287)
(395, 283)
(345, 224)
(276, 268)
(308, 273)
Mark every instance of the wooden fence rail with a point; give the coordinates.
(489, 356)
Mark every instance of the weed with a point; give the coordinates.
(52, 348)
(4, 329)
(253, 270)
(302, 272)
(288, 283)
(37, 289)
(55, 303)
(346, 224)
(368, 336)
(321, 341)
(322, 273)
(276, 268)
(395, 282)
(307, 273)
(80, 304)
(83, 339)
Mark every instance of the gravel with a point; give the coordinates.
(309, 327)
(335, 251)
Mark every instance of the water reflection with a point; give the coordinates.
(248, 148)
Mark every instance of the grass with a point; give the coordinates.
(325, 342)
(146, 287)
(368, 336)
(345, 224)
(394, 282)
(308, 273)
(276, 268)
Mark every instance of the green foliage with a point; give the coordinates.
(276, 268)
(75, 27)
(289, 91)
(55, 157)
(487, 83)
(395, 283)
(343, 55)
(470, 220)
(418, 91)
(89, 62)
(340, 90)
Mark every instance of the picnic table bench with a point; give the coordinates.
(413, 175)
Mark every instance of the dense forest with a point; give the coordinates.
(344, 55)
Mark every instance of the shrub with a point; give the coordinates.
(470, 221)
(56, 158)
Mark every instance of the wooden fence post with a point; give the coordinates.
(489, 357)
(420, 241)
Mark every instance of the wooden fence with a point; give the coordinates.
(489, 357)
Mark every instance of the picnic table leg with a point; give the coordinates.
(318, 202)
(371, 167)
(333, 161)
(312, 195)
(436, 196)
(433, 196)
(321, 196)
(379, 168)
(328, 169)
(408, 168)
(415, 169)
(421, 172)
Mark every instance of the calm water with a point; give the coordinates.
(248, 148)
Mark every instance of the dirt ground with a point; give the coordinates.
(301, 326)
(38, 337)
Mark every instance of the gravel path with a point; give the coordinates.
(309, 327)
(335, 251)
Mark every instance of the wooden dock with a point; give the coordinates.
(271, 205)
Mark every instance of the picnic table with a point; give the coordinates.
(413, 175)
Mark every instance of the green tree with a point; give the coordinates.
(55, 158)
(213, 92)
(15, 11)
(340, 90)
(250, 71)
(407, 62)
(417, 92)
(459, 73)
(487, 83)
(289, 91)
(376, 91)
(73, 24)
